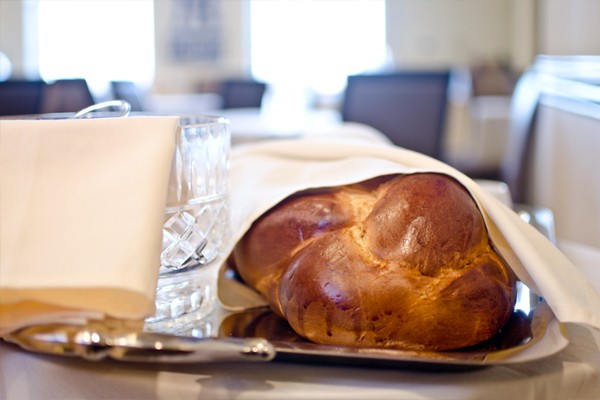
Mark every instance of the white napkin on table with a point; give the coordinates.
(265, 173)
(81, 214)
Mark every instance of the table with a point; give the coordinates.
(249, 125)
(573, 373)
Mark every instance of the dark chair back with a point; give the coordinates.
(66, 95)
(20, 97)
(523, 110)
(576, 78)
(409, 107)
(242, 93)
(128, 91)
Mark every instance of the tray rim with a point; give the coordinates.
(543, 323)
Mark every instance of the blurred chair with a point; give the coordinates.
(20, 97)
(409, 107)
(523, 111)
(492, 78)
(128, 91)
(477, 125)
(66, 95)
(551, 158)
(242, 93)
(550, 77)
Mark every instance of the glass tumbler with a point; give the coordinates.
(196, 228)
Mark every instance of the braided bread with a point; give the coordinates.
(399, 261)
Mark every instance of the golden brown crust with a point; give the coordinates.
(400, 261)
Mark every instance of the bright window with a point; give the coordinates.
(97, 40)
(304, 48)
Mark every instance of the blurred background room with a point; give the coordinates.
(278, 67)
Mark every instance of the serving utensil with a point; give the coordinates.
(98, 340)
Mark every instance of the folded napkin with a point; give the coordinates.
(81, 214)
(265, 173)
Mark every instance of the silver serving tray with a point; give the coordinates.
(532, 333)
(532, 321)
(259, 335)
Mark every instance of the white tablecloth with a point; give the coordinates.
(571, 374)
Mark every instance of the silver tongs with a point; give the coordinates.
(97, 341)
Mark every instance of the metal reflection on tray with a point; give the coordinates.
(110, 339)
(260, 335)
(526, 326)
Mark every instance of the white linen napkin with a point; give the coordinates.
(265, 173)
(81, 214)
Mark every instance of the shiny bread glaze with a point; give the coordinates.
(400, 261)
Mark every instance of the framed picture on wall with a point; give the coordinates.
(196, 30)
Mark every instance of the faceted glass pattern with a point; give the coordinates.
(196, 227)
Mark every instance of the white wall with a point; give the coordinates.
(11, 37)
(186, 77)
(522, 28)
(568, 27)
(422, 33)
(441, 33)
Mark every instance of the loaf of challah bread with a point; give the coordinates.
(399, 261)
